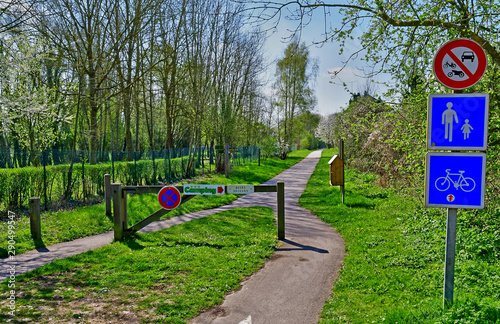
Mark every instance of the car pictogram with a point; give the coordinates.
(468, 55)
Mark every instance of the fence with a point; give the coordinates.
(120, 218)
(49, 174)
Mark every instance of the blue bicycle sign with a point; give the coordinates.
(455, 180)
(466, 184)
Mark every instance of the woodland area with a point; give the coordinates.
(147, 75)
(137, 76)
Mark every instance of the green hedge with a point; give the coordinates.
(18, 185)
(87, 181)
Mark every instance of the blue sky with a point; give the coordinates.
(331, 95)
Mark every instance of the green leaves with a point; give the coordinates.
(30, 108)
(294, 72)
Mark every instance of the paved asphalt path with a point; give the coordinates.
(292, 286)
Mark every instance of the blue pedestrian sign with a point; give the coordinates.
(455, 180)
(457, 121)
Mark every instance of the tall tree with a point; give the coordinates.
(30, 109)
(294, 73)
(82, 29)
(131, 17)
(15, 13)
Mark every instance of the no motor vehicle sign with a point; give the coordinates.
(460, 64)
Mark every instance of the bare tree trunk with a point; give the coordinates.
(93, 125)
(69, 185)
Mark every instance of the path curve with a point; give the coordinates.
(297, 280)
(294, 283)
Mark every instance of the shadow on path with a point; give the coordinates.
(301, 247)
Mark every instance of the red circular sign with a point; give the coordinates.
(460, 64)
(169, 197)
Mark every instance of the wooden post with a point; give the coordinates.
(107, 193)
(449, 265)
(36, 229)
(280, 188)
(226, 160)
(341, 155)
(342, 191)
(124, 210)
(341, 149)
(116, 192)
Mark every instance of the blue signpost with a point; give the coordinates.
(455, 180)
(457, 121)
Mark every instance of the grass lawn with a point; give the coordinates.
(67, 225)
(163, 277)
(394, 266)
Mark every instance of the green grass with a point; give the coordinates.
(168, 276)
(394, 265)
(67, 225)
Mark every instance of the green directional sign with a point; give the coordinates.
(201, 189)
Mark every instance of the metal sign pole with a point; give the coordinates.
(449, 265)
(449, 257)
(341, 155)
(473, 62)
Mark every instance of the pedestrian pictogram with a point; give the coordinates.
(448, 116)
(169, 197)
(455, 180)
(458, 121)
(460, 64)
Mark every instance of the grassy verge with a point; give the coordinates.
(394, 267)
(61, 226)
(163, 277)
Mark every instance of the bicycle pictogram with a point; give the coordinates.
(467, 184)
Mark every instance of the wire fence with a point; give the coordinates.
(62, 176)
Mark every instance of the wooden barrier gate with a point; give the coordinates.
(119, 197)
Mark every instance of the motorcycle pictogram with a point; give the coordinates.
(448, 64)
